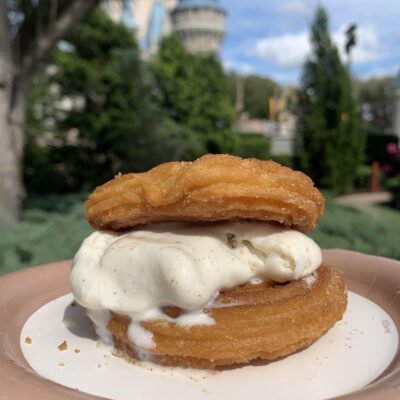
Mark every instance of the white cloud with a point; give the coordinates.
(297, 7)
(286, 51)
(291, 50)
(247, 69)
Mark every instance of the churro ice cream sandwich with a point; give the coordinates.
(205, 264)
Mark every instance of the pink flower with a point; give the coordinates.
(392, 148)
(386, 168)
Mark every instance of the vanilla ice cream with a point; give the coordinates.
(185, 265)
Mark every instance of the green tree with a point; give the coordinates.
(257, 91)
(376, 97)
(89, 114)
(28, 30)
(194, 91)
(331, 144)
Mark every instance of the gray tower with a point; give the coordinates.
(200, 24)
(396, 126)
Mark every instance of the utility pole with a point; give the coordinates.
(239, 104)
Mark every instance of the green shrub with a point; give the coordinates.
(373, 232)
(393, 184)
(254, 145)
(363, 177)
(42, 237)
(284, 159)
(58, 203)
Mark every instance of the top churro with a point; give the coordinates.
(212, 188)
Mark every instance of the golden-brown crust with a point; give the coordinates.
(252, 321)
(212, 188)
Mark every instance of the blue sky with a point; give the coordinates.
(271, 37)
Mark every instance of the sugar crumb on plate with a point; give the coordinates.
(63, 346)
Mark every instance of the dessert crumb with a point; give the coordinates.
(77, 351)
(61, 364)
(98, 365)
(28, 340)
(63, 346)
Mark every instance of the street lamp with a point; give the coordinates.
(351, 41)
